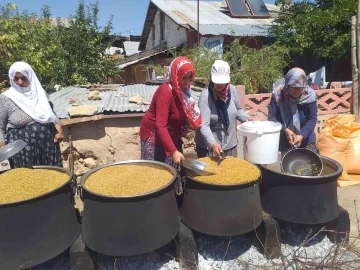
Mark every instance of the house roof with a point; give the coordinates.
(214, 19)
(131, 47)
(115, 101)
(142, 56)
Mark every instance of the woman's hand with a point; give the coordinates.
(178, 157)
(59, 136)
(216, 149)
(298, 139)
(290, 136)
(2, 144)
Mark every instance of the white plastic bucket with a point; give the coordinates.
(260, 141)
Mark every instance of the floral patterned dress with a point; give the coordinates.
(40, 148)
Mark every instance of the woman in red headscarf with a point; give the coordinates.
(171, 112)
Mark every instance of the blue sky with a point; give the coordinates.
(129, 15)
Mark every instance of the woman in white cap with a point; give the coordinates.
(220, 108)
(26, 114)
(293, 105)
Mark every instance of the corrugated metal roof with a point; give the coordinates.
(235, 30)
(116, 101)
(212, 20)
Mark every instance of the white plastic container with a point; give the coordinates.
(260, 141)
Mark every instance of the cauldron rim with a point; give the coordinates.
(142, 195)
(243, 184)
(297, 177)
(39, 197)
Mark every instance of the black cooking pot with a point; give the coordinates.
(36, 230)
(129, 225)
(221, 210)
(301, 199)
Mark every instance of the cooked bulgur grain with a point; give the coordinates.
(230, 171)
(128, 179)
(21, 184)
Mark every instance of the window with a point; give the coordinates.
(162, 26)
(153, 35)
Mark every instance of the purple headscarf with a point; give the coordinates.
(296, 77)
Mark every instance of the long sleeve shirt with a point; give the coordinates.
(308, 120)
(163, 122)
(212, 128)
(11, 116)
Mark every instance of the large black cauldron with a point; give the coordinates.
(301, 199)
(36, 230)
(126, 226)
(221, 210)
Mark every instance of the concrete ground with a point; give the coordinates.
(349, 198)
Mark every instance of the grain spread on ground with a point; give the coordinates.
(21, 184)
(128, 179)
(231, 171)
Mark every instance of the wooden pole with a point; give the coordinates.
(198, 21)
(357, 44)
(357, 40)
(354, 68)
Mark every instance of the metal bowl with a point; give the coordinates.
(302, 162)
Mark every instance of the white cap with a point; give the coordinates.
(220, 72)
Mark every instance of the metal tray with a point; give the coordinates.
(11, 149)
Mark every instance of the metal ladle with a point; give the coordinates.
(196, 166)
(199, 167)
(222, 158)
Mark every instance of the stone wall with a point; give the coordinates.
(99, 142)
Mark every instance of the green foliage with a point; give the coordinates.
(59, 54)
(256, 68)
(83, 45)
(202, 59)
(22, 37)
(320, 26)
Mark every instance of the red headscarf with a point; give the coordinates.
(178, 68)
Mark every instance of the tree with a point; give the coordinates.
(320, 26)
(202, 58)
(24, 38)
(59, 54)
(256, 68)
(83, 45)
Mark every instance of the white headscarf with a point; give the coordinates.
(31, 99)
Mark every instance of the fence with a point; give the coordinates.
(330, 101)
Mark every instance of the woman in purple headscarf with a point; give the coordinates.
(293, 105)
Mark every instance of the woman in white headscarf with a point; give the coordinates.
(294, 106)
(26, 114)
